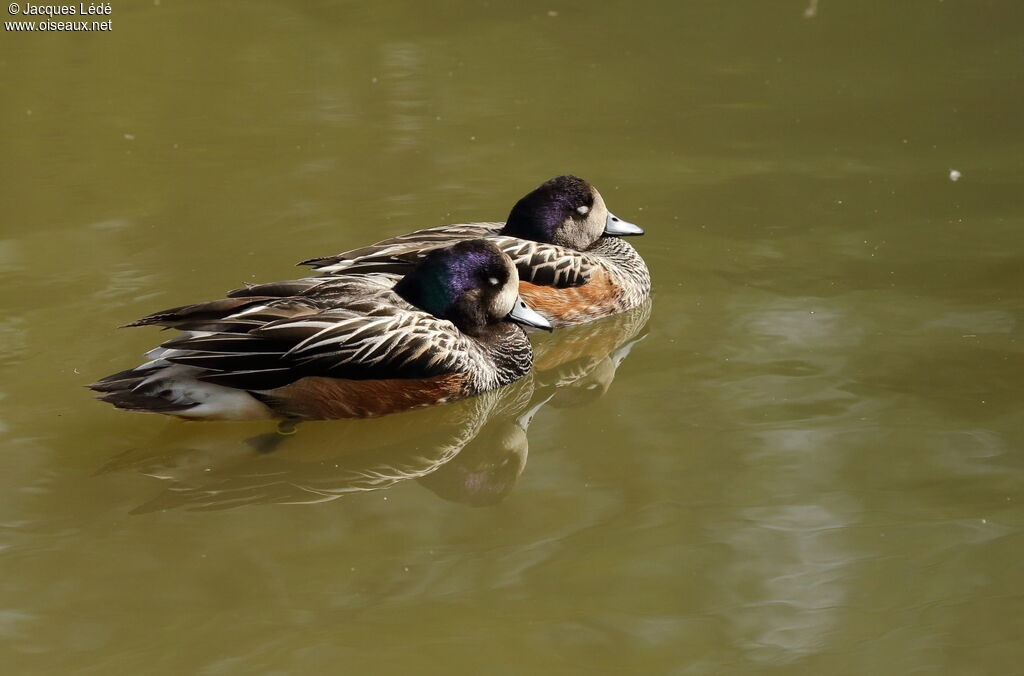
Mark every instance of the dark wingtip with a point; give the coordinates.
(135, 401)
(240, 291)
(116, 381)
(148, 320)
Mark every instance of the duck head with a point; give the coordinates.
(566, 211)
(472, 284)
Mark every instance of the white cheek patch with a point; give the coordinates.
(583, 209)
(505, 300)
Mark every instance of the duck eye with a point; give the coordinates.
(493, 281)
(583, 209)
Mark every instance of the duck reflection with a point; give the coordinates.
(488, 467)
(471, 451)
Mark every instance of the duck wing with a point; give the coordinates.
(255, 305)
(352, 326)
(370, 343)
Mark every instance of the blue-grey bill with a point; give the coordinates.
(524, 314)
(620, 228)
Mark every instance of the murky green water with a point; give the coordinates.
(807, 461)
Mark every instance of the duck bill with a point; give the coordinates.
(617, 227)
(524, 314)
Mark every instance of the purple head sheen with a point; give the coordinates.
(445, 274)
(540, 214)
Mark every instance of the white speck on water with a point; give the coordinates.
(954, 175)
(130, 137)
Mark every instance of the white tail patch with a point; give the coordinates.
(178, 385)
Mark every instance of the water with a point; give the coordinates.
(807, 461)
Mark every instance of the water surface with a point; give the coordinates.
(807, 461)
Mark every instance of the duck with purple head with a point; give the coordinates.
(573, 265)
(346, 347)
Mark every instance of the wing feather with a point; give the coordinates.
(401, 343)
(351, 326)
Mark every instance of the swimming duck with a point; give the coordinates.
(352, 346)
(573, 265)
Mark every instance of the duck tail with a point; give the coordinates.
(161, 386)
(144, 403)
(140, 389)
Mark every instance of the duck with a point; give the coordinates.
(574, 267)
(354, 346)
